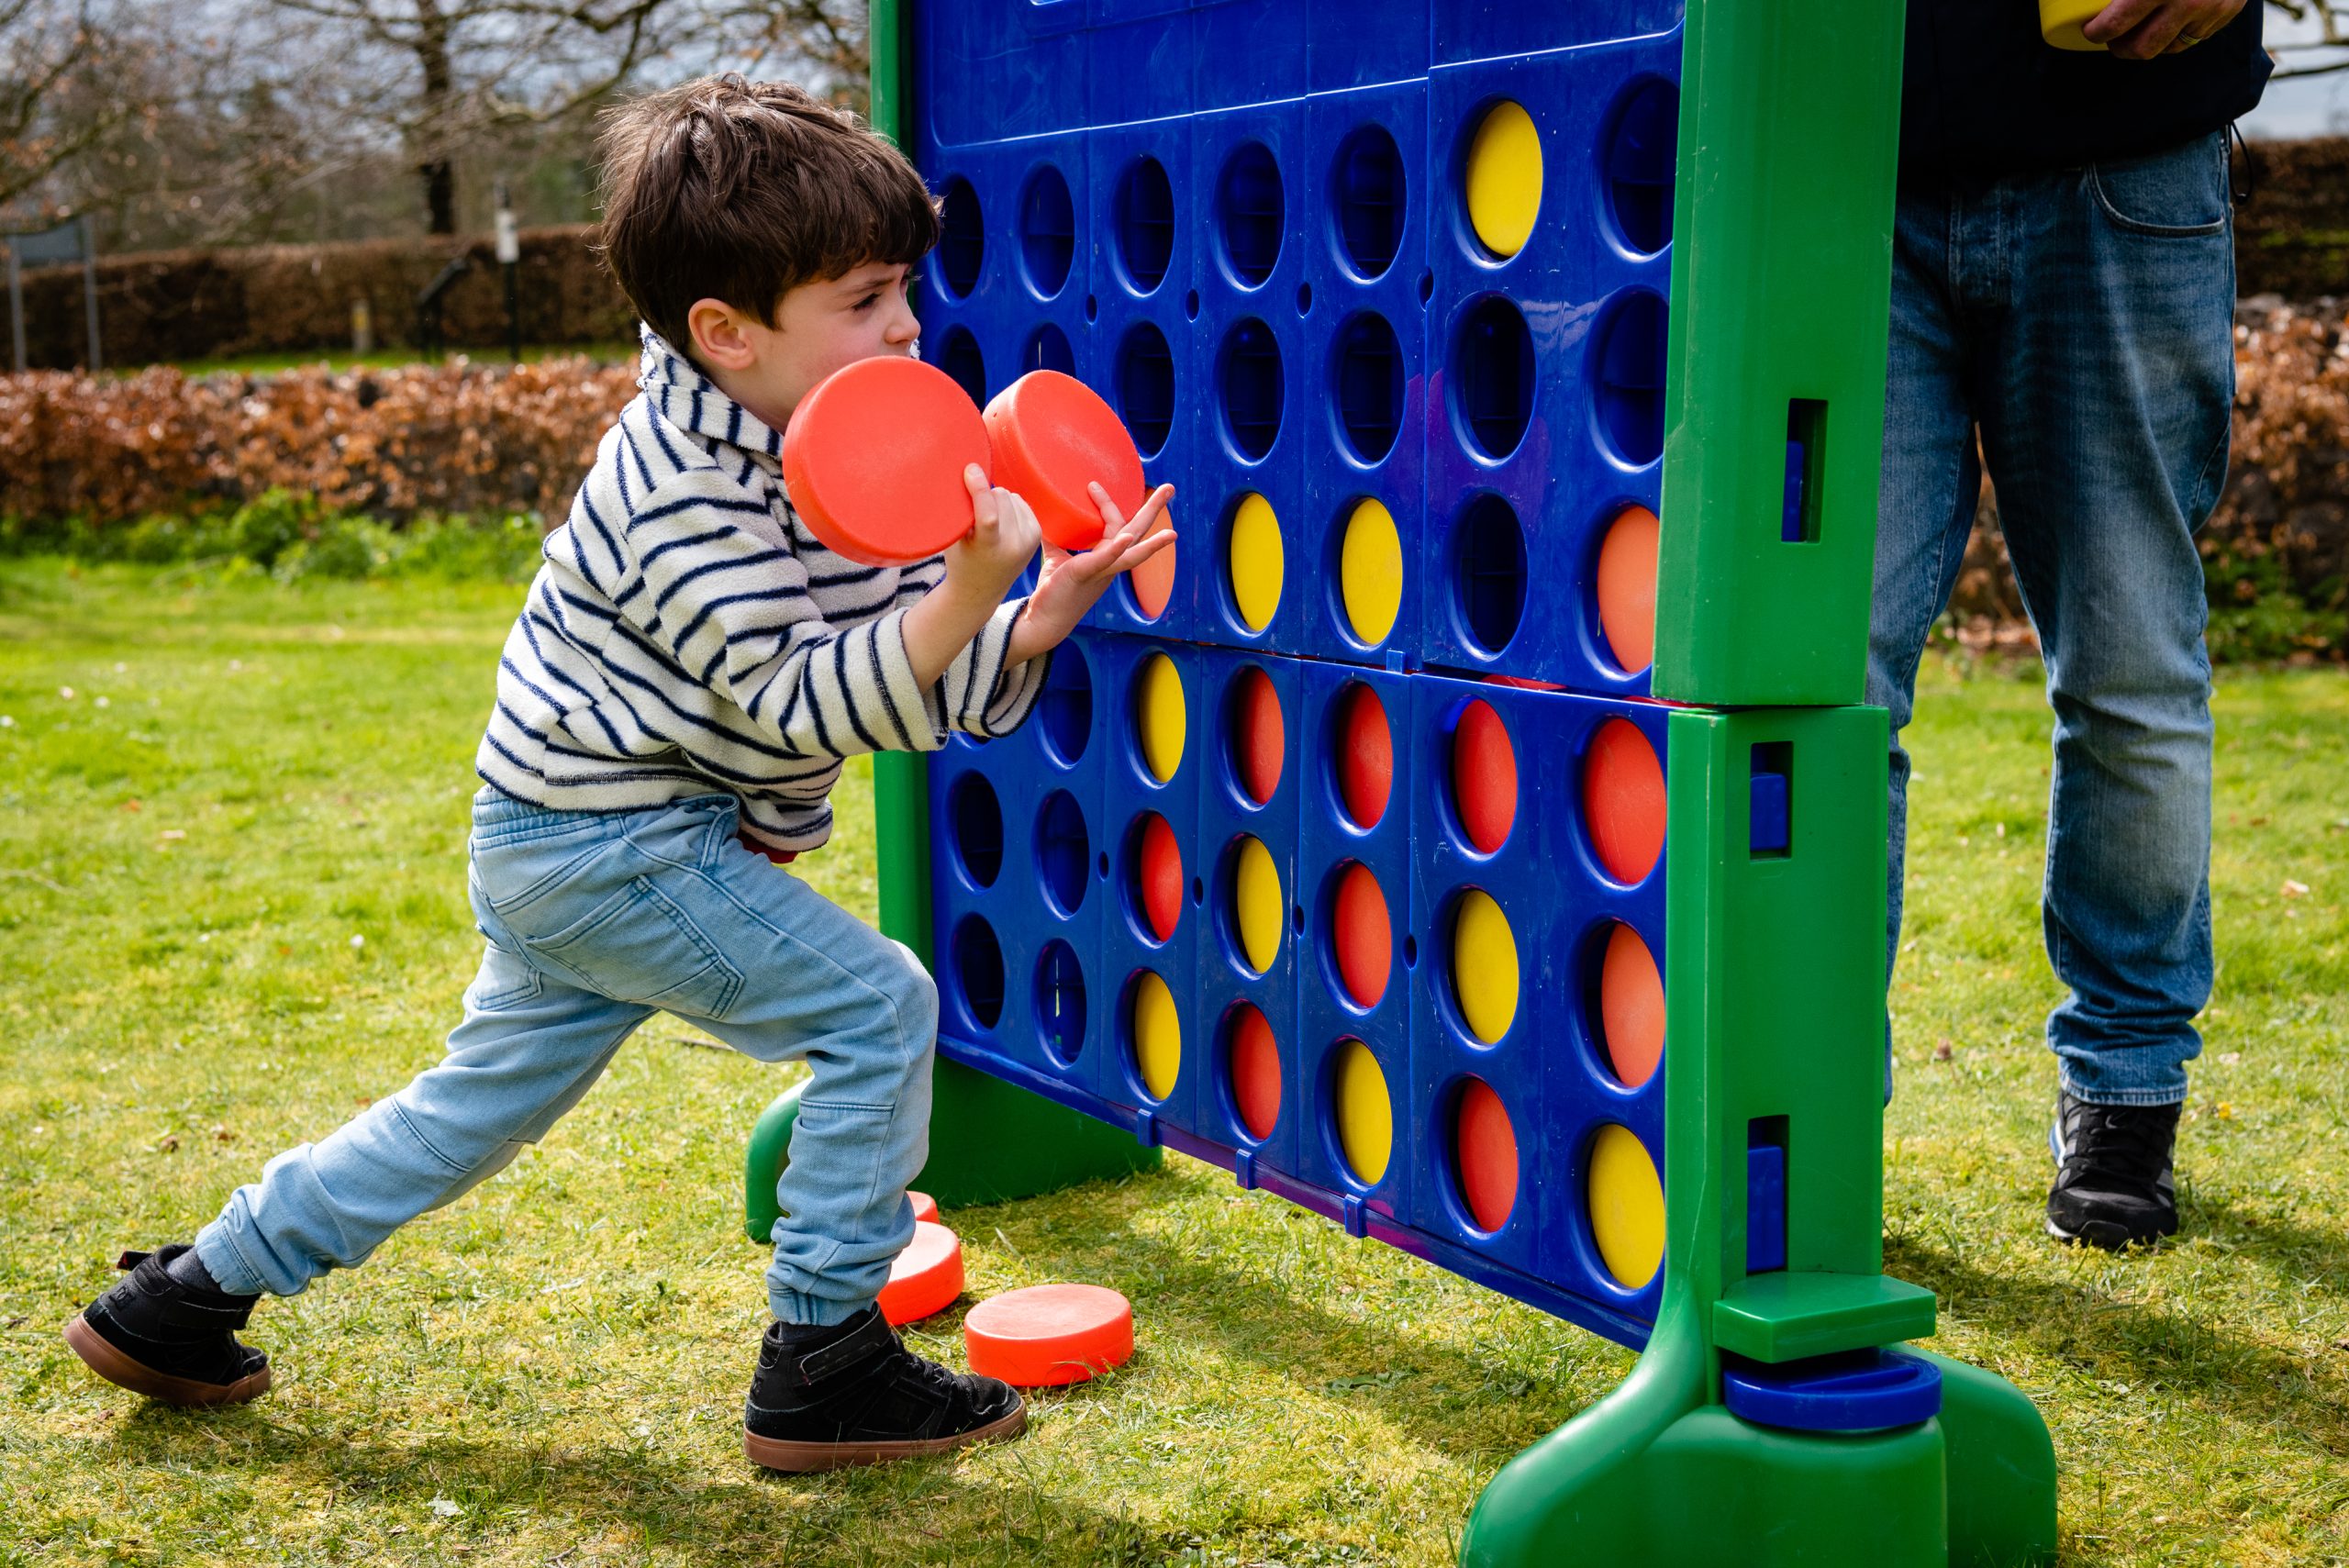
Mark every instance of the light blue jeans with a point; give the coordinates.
(594, 922)
(2082, 321)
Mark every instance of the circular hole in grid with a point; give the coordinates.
(1363, 754)
(1366, 364)
(1253, 561)
(976, 817)
(1488, 573)
(1624, 1198)
(1249, 384)
(1303, 299)
(1485, 975)
(1492, 376)
(1060, 1001)
(1142, 216)
(1502, 179)
(1484, 1154)
(1483, 777)
(978, 970)
(959, 357)
(1153, 876)
(1623, 801)
(1155, 1031)
(1370, 570)
(1638, 158)
(1145, 382)
(1047, 230)
(1048, 349)
(1064, 707)
(962, 239)
(1249, 213)
(1258, 907)
(1362, 935)
(1624, 998)
(1252, 1064)
(1063, 848)
(1255, 736)
(1191, 305)
(1626, 587)
(1367, 191)
(1363, 1112)
(1628, 386)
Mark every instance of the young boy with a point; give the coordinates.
(672, 709)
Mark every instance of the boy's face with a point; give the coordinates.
(819, 327)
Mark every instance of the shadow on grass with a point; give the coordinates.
(2236, 1378)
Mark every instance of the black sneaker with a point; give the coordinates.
(157, 1334)
(2115, 1188)
(851, 1393)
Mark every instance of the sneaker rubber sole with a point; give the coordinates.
(806, 1458)
(101, 1357)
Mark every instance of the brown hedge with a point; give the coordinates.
(452, 438)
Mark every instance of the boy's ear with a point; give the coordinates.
(720, 339)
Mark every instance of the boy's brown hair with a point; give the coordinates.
(741, 191)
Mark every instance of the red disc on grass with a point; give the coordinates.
(874, 458)
(1048, 1334)
(925, 1206)
(1623, 802)
(1259, 736)
(1630, 1008)
(1158, 865)
(1365, 756)
(1484, 776)
(1484, 1154)
(1255, 1071)
(1363, 936)
(927, 1276)
(1052, 435)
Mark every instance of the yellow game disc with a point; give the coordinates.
(1365, 1113)
(1484, 966)
(1626, 1206)
(1256, 561)
(1158, 1035)
(1257, 906)
(1159, 711)
(1370, 572)
(1505, 178)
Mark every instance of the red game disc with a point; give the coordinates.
(1255, 1071)
(1048, 1334)
(1052, 435)
(1623, 801)
(1159, 862)
(927, 1276)
(1363, 935)
(1365, 756)
(1259, 738)
(925, 1206)
(874, 456)
(1484, 776)
(1485, 1150)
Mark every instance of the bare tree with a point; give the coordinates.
(55, 55)
(826, 44)
(476, 64)
(2326, 51)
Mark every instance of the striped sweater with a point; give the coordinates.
(686, 633)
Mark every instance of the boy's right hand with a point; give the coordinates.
(982, 564)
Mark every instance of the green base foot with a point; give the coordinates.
(989, 1142)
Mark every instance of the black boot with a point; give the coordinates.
(2115, 1188)
(158, 1334)
(851, 1393)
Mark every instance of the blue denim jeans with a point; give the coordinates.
(2082, 321)
(594, 922)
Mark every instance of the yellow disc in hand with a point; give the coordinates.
(1365, 1113)
(1256, 561)
(1505, 178)
(1256, 907)
(1484, 966)
(1370, 572)
(1158, 1035)
(1626, 1206)
(1160, 714)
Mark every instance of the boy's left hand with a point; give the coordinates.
(1070, 585)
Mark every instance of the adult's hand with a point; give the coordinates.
(2142, 29)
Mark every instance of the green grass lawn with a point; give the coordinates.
(232, 909)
